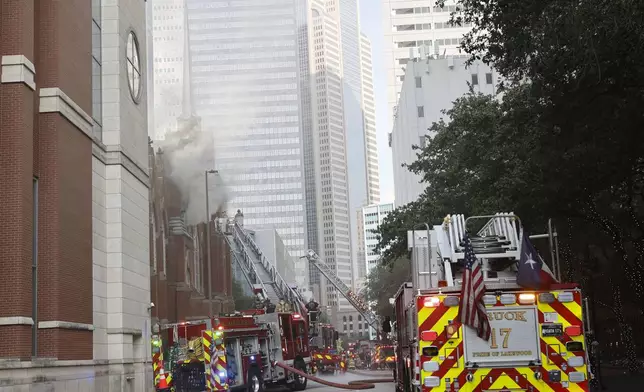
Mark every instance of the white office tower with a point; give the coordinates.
(415, 29)
(369, 121)
(430, 86)
(325, 56)
(372, 217)
(168, 41)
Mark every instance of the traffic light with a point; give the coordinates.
(336, 335)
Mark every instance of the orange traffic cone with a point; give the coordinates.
(163, 384)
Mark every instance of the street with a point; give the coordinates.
(345, 378)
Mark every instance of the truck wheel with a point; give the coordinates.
(299, 382)
(254, 380)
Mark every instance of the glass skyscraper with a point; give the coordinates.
(245, 81)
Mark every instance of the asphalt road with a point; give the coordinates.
(346, 377)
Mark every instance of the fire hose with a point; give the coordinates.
(383, 372)
(351, 385)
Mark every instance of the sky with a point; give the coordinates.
(371, 25)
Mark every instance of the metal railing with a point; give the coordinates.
(282, 289)
(345, 290)
(246, 264)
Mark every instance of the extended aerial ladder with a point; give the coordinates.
(259, 272)
(358, 303)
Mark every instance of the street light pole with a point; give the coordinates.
(208, 260)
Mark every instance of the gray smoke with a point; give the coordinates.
(190, 152)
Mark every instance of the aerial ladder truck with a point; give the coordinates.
(358, 303)
(538, 336)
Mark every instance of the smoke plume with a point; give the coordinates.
(190, 153)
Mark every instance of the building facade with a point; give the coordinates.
(325, 56)
(415, 29)
(75, 187)
(372, 217)
(167, 25)
(430, 86)
(178, 255)
(245, 85)
(369, 121)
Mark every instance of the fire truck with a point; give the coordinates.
(383, 357)
(324, 354)
(238, 351)
(537, 338)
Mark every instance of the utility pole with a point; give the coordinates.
(208, 260)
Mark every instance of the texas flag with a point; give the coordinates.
(533, 273)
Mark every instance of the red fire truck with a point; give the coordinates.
(537, 338)
(233, 352)
(324, 351)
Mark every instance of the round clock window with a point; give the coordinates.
(133, 66)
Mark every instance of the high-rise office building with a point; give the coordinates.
(369, 121)
(372, 217)
(325, 57)
(167, 19)
(413, 30)
(430, 87)
(245, 84)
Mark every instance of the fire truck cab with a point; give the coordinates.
(384, 357)
(234, 352)
(537, 338)
(325, 356)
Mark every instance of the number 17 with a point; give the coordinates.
(505, 333)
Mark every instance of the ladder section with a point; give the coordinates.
(276, 287)
(360, 305)
(245, 264)
(497, 239)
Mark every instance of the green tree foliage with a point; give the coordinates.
(384, 281)
(242, 301)
(563, 142)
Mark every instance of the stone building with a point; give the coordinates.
(74, 189)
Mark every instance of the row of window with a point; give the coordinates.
(428, 26)
(423, 10)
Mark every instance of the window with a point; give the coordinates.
(421, 111)
(475, 80)
(423, 142)
(488, 78)
(419, 82)
(133, 66)
(405, 27)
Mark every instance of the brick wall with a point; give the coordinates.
(176, 291)
(56, 38)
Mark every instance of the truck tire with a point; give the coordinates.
(254, 380)
(299, 382)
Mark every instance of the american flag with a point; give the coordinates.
(472, 310)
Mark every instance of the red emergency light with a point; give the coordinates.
(573, 330)
(429, 336)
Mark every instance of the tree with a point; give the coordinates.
(384, 281)
(242, 301)
(579, 59)
(488, 158)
